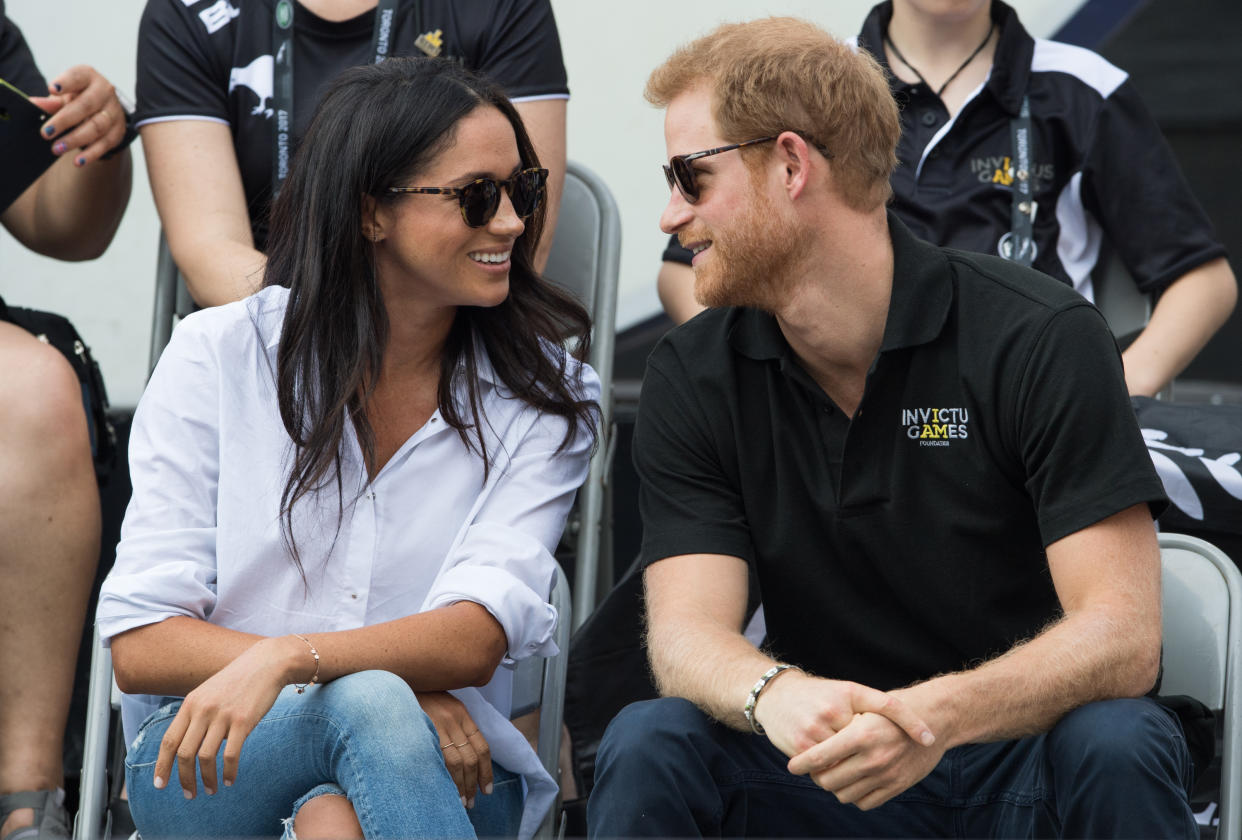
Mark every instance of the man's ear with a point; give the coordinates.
(372, 219)
(794, 156)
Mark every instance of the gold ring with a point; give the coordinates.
(446, 746)
(462, 744)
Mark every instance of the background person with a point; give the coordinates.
(1103, 175)
(209, 106)
(930, 460)
(49, 500)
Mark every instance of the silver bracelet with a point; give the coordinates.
(749, 709)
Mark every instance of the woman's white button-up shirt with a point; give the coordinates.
(209, 458)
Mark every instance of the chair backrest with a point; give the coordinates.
(1202, 607)
(586, 260)
(1119, 300)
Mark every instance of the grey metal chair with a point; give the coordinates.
(585, 260)
(1203, 649)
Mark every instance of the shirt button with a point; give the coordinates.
(929, 118)
(354, 595)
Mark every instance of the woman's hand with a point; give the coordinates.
(226, 707)
(86, 114)
(466, 753)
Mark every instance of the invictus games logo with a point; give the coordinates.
(935, 426)
(998, 169)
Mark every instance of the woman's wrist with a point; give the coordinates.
(292, 659)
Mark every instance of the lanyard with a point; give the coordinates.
(1022, 216)
(282, 73)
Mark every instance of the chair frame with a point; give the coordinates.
(1231, 680)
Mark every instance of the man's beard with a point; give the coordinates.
(752, 264)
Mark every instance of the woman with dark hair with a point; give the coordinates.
(347, 488)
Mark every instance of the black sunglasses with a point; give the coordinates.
(680, 174)
(479, 200)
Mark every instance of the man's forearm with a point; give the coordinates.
(711, 667)
(1079, 659)
(1187, 316)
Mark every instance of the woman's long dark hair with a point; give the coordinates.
(377, 127)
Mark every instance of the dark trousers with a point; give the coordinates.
(1113, 769)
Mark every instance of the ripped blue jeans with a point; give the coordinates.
(363, 736)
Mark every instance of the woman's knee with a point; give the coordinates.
(41, 410)
(379, 706)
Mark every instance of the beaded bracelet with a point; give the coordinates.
(749, 709)
(314, 653)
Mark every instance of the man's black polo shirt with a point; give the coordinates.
(910, 541)
(1102, 169)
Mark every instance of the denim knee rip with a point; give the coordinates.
(326, 789)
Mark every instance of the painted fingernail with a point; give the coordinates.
(463, 801)
(59, 149)
(228, 782)
(56, 88)
(189, 794)
(210, 791)
(928, 738)
(159, 782)
(487, 789)
(470, 803)
(49, 130)
(80, 161)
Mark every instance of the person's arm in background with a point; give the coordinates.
(72, 211)
(1162, 235)
(675, 283)
(545, 122)
(202, 206)
(1185, 318)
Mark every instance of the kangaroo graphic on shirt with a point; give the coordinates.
(258, 77)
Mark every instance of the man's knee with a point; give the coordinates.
(1117, 737)
(651, 733)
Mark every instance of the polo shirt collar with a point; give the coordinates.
(917, 310)
(1011, 66)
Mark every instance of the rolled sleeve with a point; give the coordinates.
(166, 560)
(503, 558)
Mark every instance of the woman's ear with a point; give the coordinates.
(372, 224)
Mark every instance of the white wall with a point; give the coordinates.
(609, 50)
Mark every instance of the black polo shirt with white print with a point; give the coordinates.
(909, 541)
(212, 60)
(1103, 172)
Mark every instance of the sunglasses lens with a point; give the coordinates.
(528, 191)
(683, 174)
(479, 202)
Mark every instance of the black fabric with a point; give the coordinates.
(1197, 450)
(196, 60)
(17, 65)
(1097, 150)
(674, 252)
(995, 421)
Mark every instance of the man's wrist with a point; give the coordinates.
(749, 710)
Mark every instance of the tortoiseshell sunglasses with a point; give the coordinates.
(479, 200)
